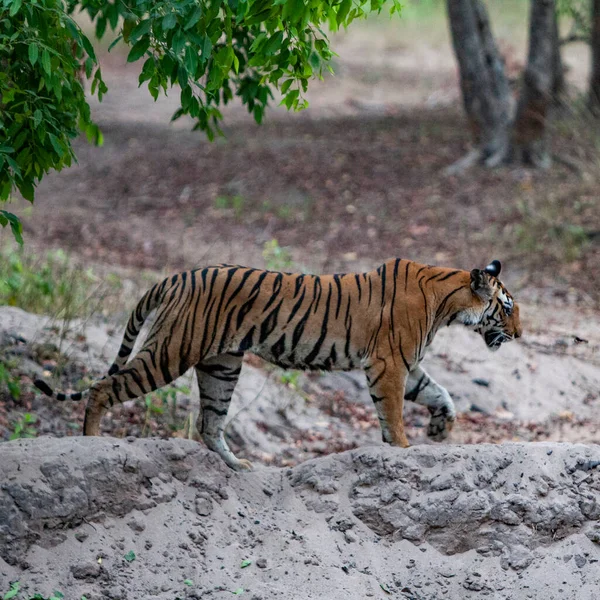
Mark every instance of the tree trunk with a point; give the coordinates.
(500, 136)
(558, 72)
(484, 85)
(594, 94)
(530, 130)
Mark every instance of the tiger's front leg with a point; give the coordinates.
(386, 386)
(422, 389)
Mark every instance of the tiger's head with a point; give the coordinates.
(497, 316)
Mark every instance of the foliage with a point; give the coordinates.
(160, 401)
(210, 49)
(46, 284)
(11, 382)
(15, 589)
(43, 54)
(24, 427)
(276, 257)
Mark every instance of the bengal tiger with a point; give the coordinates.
(381, 321)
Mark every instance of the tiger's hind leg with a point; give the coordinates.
(422, 389)
(137, 378)
(217, 378)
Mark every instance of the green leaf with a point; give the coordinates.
(191, 60)
(188, 582)
(14, 587)
(130, 556)
(245, 563)
(14, 9)
(385, 588)
(26, 188)
(46, 64)
(115, 42)
(139, 49)
(33, 53)
(169, 21)
(238, 592)
(142, 28)
(343, 10)
(56, 144)
(206, 48)
(194, 18)
(87, 45)
(37, 117)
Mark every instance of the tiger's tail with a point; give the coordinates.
(46, 389)
(149, 301)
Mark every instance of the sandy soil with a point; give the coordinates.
(129, 519)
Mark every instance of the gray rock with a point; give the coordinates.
(87, 570)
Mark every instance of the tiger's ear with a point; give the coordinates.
(494, 268)
(480, 284)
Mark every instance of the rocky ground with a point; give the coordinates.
(106, 518)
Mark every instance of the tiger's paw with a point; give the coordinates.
(242, 465)
(441, 423)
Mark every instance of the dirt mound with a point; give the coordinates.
(109, 518)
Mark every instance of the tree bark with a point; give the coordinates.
(484, 85)
(530, 130)
(558, 72)
(594, 93)
(499, 134)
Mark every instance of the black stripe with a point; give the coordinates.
(451, 274)
(221, 413)
(297, 306)
(269, 324)
(247, 342)
(299, 282)
(275, 292)
(357, 279)
(164, 362)
(226, 330)
(210, 291)
(383, 280)
(394, 299)
(336, 278)
(238, 288)
(315, 351)
(247, 306)
(278, 348)
(413, 394)
(149, 376)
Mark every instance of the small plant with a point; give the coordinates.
(15, 589)
(48, 284)
(291, 379)
(276, 257)
(161, 400)
(12, 383)
(235, 203)
(24, 427)
(130, 556)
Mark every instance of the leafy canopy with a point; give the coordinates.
(210, 49)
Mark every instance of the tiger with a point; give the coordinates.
(381, 321)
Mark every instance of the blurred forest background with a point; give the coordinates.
(367, 172)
